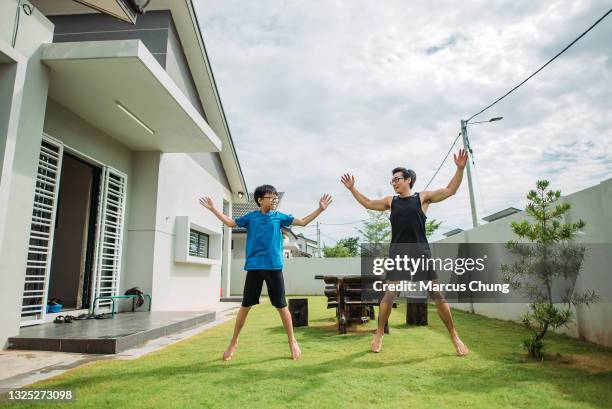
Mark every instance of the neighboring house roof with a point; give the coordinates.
(240, 209)
(453, 232)
(501, 214)
(288, 232)
(308, 241)
(230, 158)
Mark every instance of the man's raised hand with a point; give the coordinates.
(461, 158)
(325, 201)
(348, 180)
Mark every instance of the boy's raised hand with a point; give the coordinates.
(348, 180)
(325, 201)
(207, 202)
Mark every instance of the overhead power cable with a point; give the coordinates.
(443, 160)
(542, 67)
(519, 85)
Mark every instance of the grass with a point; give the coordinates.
(417, 369)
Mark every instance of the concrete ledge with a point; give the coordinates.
(119, 87)
(109, 336)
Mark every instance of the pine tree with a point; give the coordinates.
(551, 255)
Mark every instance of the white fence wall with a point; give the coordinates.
(594, 206)
(299, 274)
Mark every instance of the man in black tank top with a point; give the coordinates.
(408, 226)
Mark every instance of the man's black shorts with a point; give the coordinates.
(254, 283)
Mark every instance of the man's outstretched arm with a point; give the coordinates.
(208, 203)
(323, 203)
(438, 195)
(377, 204)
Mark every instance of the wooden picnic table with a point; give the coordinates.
(346, 295)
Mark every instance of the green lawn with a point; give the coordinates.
(417, 369)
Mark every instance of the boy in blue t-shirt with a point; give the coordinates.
(264, 257)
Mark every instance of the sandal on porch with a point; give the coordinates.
(103, 316)
(69, 318)
(84, 317)
(59, 319)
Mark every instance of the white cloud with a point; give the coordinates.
(315, 89)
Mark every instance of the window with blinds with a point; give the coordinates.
(198, 244)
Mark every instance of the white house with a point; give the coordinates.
(307, 247)
(109, 133)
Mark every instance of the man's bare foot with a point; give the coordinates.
(460, 347)
(377, 342)
(296, 353)
(229, 352)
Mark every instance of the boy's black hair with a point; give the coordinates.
(261, 191)
(406, 173)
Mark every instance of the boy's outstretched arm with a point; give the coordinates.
(323, 203)
(208, 203)
(377, 204)
(438, 195)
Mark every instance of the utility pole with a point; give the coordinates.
(318, 239)
(466, 146)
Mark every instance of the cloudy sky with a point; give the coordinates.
(314, 89)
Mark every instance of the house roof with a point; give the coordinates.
(289, 232)
(308, 240)
(501, 214)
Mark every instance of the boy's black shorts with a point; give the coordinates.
(254, 283)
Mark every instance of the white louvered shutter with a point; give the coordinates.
(40, 245)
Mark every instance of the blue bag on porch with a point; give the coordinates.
(54, 305)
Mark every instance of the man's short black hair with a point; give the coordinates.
(262, 190)
(406, 173)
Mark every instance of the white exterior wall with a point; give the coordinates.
(12, 77)
(239, 250)
(180, 285)
(65, 126)
(300, 272)
(139, 255)
(20, 157)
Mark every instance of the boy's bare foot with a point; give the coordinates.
(229, 352)
(377, 342)
(296, 353)
(460, 347)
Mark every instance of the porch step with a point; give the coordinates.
(110, 336)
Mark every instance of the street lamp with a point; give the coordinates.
(497, 118)
(466, 146)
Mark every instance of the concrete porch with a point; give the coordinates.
(108, 336)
